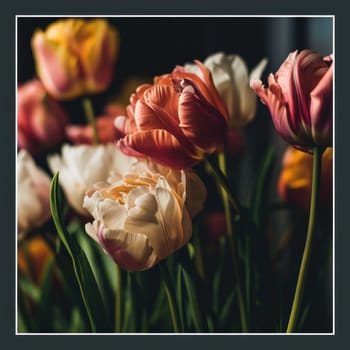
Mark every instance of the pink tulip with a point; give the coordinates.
(177, 121)
(75, 57)
(41, 121)
(107, 132)
(300, 99)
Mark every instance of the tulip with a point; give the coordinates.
(295, 181)
(107, 132)
(75, 57)
(230, 75)
(84, 165)
(142, 217)
(33, 191)
(32, 259)
(177, 121)
(40, 119)
(300, 99)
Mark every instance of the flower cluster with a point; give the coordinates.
(136, 176)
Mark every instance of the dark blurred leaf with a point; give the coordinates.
(193, 305)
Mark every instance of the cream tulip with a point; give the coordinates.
(142, 217)
(231, 79)
(82, 166)
(33, 193)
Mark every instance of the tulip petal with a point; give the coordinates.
(204, 83)
(131, 251)
(160, 145)
(321, 110)
(58, 69)
(99, 50)
(200, 122)
(273, 98)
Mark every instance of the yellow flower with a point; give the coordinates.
(75, 57)
(295, 181)
(32, 258)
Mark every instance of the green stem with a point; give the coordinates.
(198, 254)
(222, 180)
(170, 296)
(118, 300)
(316, 176)
(230, 233)
(90, 117)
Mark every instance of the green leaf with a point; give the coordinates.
(87, 283)
(179, 288)
(193, 301)
(260, 186)
(29, 288)
(45, 305)
(219, 272)
(227, 308)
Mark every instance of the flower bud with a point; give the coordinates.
(41, 120)
(75, 57)
(300, 99)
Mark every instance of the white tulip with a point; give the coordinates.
(33, 194)
(142, 217)
(81, 166)
(231, 79)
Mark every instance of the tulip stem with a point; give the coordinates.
(225, 185)
(230, 233)
(90, 118)
(118, 300)
(170, 296)
(316, 177)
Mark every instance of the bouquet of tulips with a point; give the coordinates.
(132, 221)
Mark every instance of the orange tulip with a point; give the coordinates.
(177, 121)
(295, 181)
(31, 260)
(75, 57)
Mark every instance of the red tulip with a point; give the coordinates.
(300, 99)
(41, 120)
(177, 121)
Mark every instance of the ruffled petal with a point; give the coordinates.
(131, 251)
(203, 125)
(321, 109)
(160, 145)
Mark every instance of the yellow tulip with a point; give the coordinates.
(75, 57)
